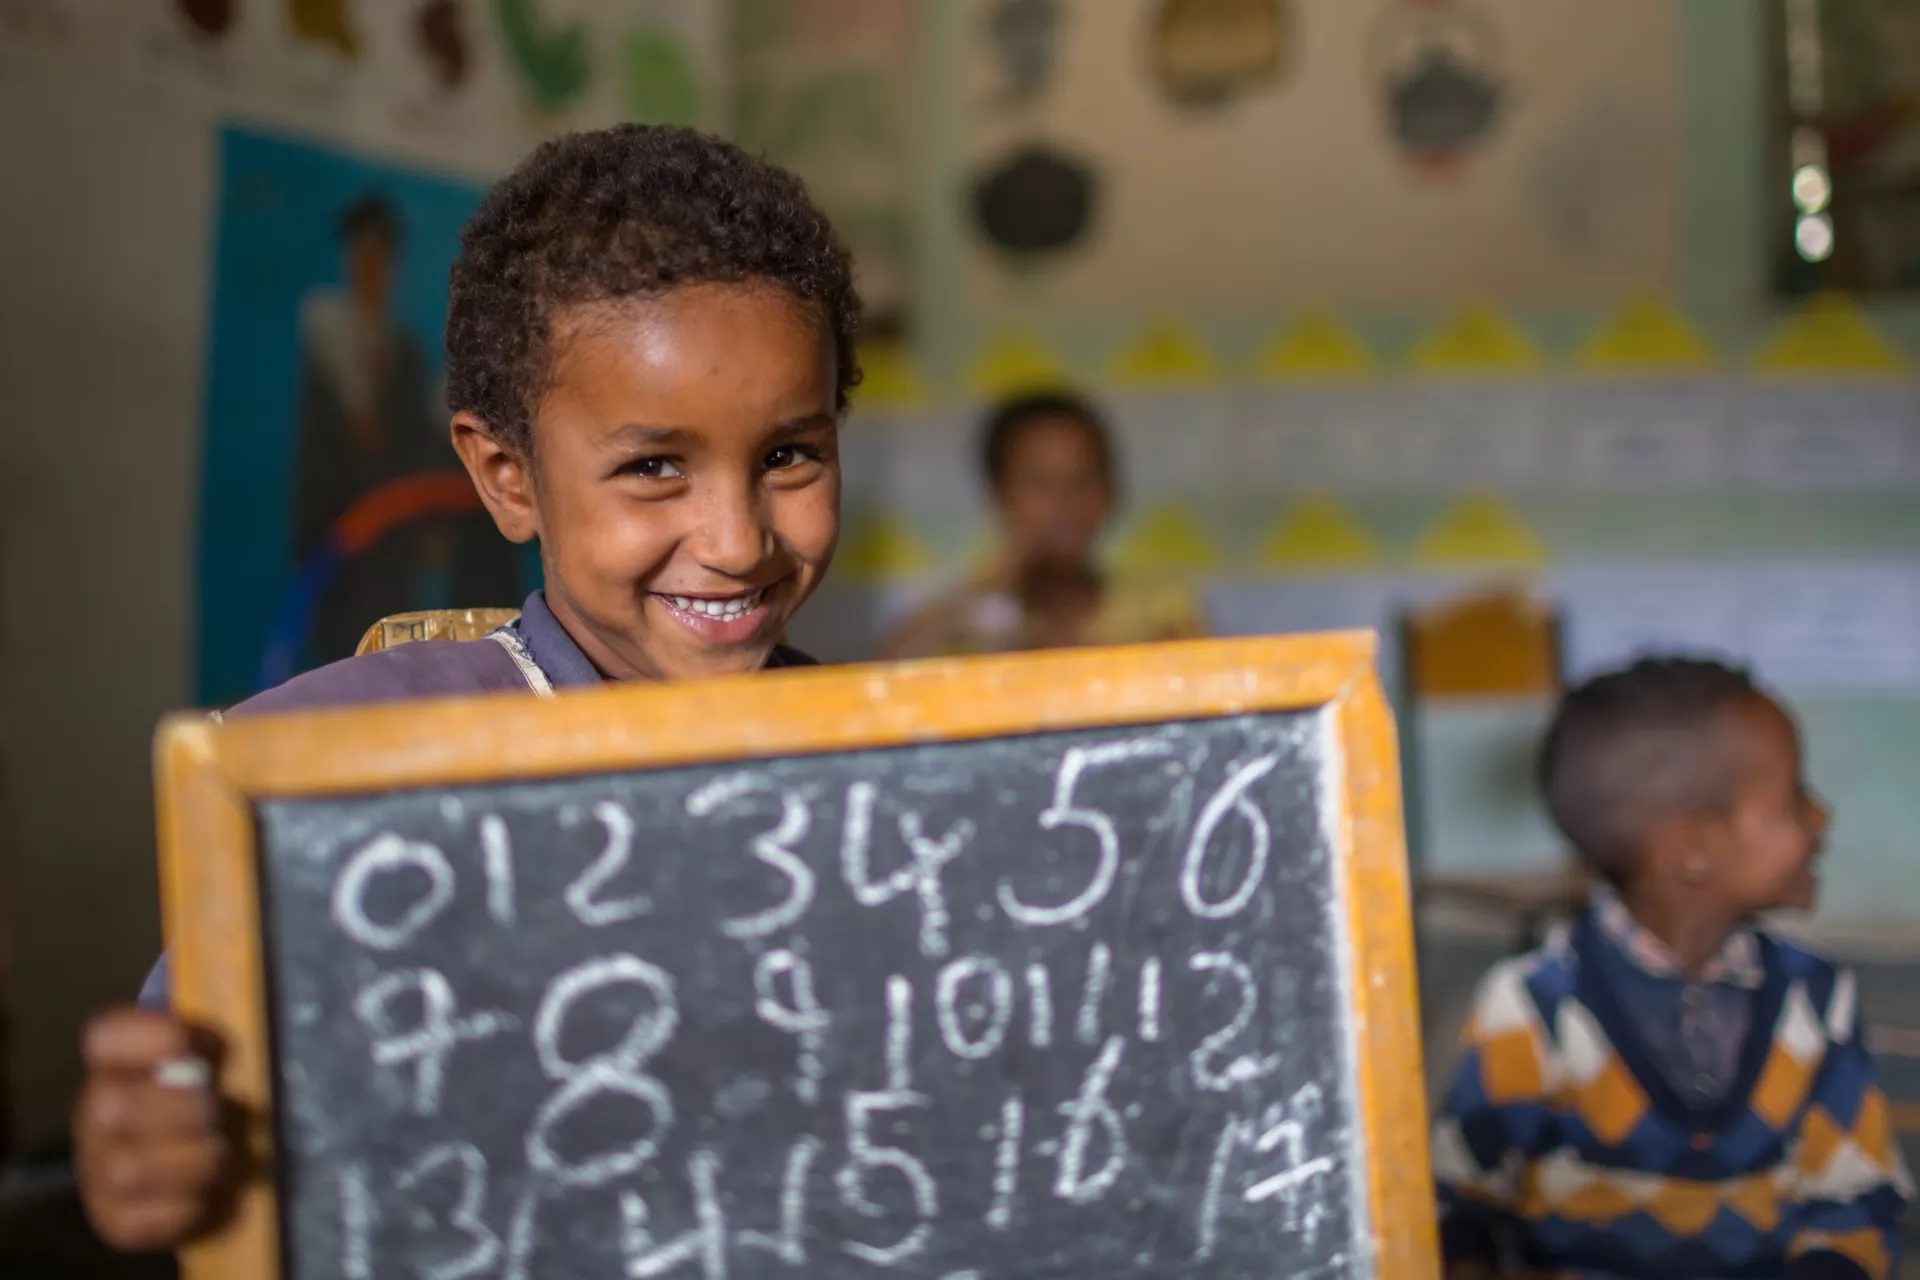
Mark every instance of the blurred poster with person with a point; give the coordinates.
(325, 410)
(368, 415)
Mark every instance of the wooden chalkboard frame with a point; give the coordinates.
(211, 773)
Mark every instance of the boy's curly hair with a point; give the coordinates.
(627, 212)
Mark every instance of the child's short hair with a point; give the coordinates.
(1635, 745)
(1007, 419)
(627, 212)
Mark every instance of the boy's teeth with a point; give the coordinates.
(725, 610)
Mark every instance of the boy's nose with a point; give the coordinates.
(1819, 813)
(732, 538)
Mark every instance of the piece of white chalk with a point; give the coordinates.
(183, 1073)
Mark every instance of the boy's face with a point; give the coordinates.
(1053, 491)
(1774, 828)
(685, 483)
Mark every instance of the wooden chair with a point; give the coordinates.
(433, 624)
(1492, 645)
(439, 624)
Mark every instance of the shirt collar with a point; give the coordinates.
(1736, 964)
(552, 649)
(563, 662)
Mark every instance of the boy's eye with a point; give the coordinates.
(653, 468)
(788, 455)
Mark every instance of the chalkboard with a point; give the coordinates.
(1045, 966)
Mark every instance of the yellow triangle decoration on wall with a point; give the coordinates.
(1480, 530)
(889, 379)
(1164, 356)
(1015, 364)
(1477, 340)
(879, 549)
(1318, 533)
(1830, 334)
(1316, 347)
(1648, 336)
(1166, 539)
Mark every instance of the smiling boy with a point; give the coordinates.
(650, 342)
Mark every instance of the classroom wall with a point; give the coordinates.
(1766, 544)
(104, 258)
(102, 234)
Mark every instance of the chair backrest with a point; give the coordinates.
(433, 624)
(1492, 644)
(440, 624)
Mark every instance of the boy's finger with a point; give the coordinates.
(146, 1111)
(133, 1042)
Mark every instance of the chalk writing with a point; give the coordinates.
(1064, 813)
(921, 875)
(1006, 1162)
(991, 1017)
(775, 848)
(865, 1158)
(789, 1243)
(617, 1071)
(356, 1223)
(497, 852)
(1284, 1129)
(1070, 1005)
(899, 1034)
(704, 1243)
(1231, 796)
(800, 1016)
(1099, 972)
(429, 1045)
(583, 894)
(1150, 999)
(1206, 1070)
(390, 855)
(468, 1169)
(1091, 1108)
(1040, 1006)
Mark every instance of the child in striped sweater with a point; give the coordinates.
(1665, 1090)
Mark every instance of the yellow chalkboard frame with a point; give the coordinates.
(210, 774)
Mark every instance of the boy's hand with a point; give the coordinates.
(148, 1146)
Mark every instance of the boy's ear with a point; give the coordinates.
(500, 475)
(1686, 847)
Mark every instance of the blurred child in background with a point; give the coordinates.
(1049, 463)
(1665, 1089)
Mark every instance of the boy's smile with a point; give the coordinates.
(684, 480)
(719, 620)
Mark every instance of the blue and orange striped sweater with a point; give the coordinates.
(1561, 1140)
